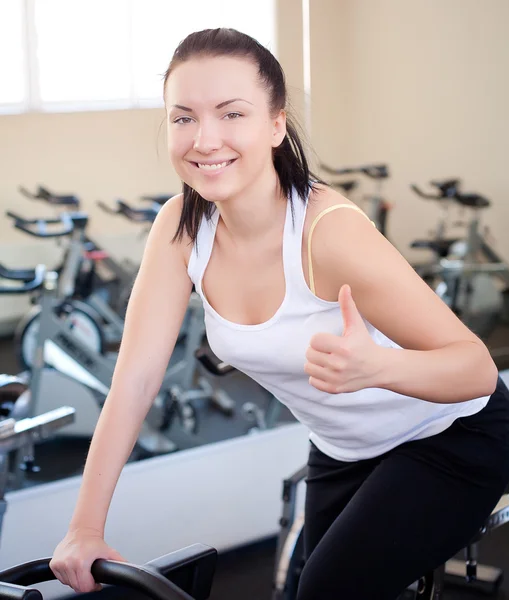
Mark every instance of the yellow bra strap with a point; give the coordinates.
(324, 212)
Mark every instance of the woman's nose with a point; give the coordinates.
(207, 139)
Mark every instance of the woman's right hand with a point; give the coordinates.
(73, 558)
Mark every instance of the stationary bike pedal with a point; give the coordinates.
(29, 466)
(182, 410)
(487, 579)
(188, 417)
(223, 402)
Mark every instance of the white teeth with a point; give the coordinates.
(213, 167)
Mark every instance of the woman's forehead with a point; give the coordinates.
(212, 79)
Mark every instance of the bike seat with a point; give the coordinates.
(440, 247)
(473, 200)
(446, 183)
(210, 361)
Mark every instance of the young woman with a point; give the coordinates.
(408, 420)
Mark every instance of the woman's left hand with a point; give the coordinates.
(347, 363)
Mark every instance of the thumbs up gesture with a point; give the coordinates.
(346, 363)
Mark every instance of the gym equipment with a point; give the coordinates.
(102, 367)
(377, 207)
(76, 281)
(19, 432)
(438, 243)
(186, 574)
(78, 272)
(290, 554)
(262, 419)
(469, 275)
(58, 346)
(112, 277)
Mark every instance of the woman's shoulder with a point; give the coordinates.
(321, 198)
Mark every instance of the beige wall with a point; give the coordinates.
(98, 155)
(423, 86)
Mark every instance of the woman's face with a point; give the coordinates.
(220, 130)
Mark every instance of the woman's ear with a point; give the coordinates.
(279, 129)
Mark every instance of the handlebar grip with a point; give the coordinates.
(423, 194)
(331, 171)
(103, 206)
(25, 225)
(162, 199)
(9, 591)
(49, 197)
(140, 215)
(14, 216)
(29, 286)
(375, 171)
(137, 577)
(17, 274)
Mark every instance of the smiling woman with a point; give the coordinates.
(338, 328)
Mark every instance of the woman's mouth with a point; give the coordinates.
(213, 168)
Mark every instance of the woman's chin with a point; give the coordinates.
(214, 193)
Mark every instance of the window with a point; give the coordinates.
(86, 54)
(158, 27)
(13, 90)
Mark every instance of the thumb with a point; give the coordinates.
(351, 316)
(114, 555)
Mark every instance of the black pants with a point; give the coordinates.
(373, 527)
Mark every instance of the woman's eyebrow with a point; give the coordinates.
(219, 106)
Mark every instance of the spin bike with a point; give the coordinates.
(290, 557)
(18, 429)
(88, 324)
(112, 277)
(113, 287)
(58, 347)
(469, 275)
(186, 574)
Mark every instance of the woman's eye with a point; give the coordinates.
(183, 120)
(232, 115)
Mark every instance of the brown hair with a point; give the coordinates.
(289, 158)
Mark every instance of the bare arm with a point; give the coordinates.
(154, 316)
(442, 360)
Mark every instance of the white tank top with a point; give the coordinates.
(349, 426)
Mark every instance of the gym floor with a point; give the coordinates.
(247, 572)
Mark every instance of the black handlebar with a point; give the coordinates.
(144, 579)
(374, 171)
(56, 199)
(38, 227)
(138, 215)
(193, 567)
(31, 284)
(160, 199)
(449, 190)
(17, 274)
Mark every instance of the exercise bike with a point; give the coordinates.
(290, 557)
(94, 321)
(468, 274)
(186, 574)
(100, 271)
